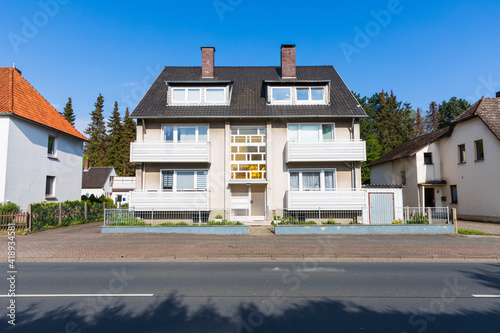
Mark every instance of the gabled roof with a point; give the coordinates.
(248, 94)
(488, 110)
(95, 177)
(18, 97)
(410, 148)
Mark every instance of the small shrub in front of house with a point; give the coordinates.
(397, 222)
(331, 221)
(224, 222)
(418, 220)
(172, 224)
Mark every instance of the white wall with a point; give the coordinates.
(4, 134)
(28, 164)
(478, 182)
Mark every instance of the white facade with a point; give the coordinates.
(25, 163)
(477, 182)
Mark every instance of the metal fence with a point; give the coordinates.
(18, 220)
(157, 217)
(318, 216)
(397, 215)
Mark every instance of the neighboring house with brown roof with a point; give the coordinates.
(40, 152)
(458, 166)
(247, 140)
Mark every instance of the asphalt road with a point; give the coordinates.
(254, 297)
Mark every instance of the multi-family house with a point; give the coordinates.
(248, 140)
(40, 152)
(457, 166)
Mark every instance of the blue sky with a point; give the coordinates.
(423, 50)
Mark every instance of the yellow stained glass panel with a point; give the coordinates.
(256, 175)
(234, 149)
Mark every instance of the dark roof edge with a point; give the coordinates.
(263, 117)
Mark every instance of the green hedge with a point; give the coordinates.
(46, 214)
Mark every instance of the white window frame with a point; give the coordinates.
(321, 179)
(52, 193)
(293, 95)
(224, 101)
(203, 94)
(309, 100)
(320, 131)
(285, 101)
(174, 180)
(175, 134)
(54, 148)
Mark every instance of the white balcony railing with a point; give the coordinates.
(337, 151)
(169, 152)
(339, 199)
(168, 201)
(123, 183)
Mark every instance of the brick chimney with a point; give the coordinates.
(86, 166)
(498, 93)
(288, 69)
(207, 62)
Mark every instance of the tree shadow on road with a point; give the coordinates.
(278, 315)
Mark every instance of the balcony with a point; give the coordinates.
(123, 183)
(170, 152)
(337, 151)
(340, 199)
(169, 201)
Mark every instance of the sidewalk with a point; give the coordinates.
(86, 243)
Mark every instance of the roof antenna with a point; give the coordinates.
(14, 65)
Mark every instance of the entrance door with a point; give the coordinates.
(429, 197)
(258, 201)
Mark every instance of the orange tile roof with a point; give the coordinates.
(19, 97)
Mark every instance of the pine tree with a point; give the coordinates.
(389, 124)
(68, 112)
(432, 118)
(96, 130)
(419, 124)
(451, 109)
(114, 140)
(128, 136)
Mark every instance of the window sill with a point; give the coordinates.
(52, 157)
(462, 163)
(50, 198)
(479, 160)
(454, 203)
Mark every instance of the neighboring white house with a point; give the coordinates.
(104, 181)
(97, 181)
(457, 166)
(248, 140)
(40, 152)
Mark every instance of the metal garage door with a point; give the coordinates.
(381, 208)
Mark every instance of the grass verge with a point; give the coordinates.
(473, 232)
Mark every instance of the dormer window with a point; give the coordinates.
(281, 95)
(297, 95)
(310, 95)
(200, 96)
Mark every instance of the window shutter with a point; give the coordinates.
(168, 179)
(202, 180)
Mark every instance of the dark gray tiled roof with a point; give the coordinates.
(95, 177)
(248, 95)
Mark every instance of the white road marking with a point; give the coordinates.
(79, 295)
(486, 296)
